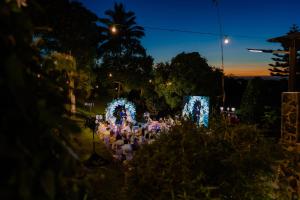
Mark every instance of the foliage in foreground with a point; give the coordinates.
(188, 163)
(38, 161)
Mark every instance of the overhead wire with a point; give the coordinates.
(203, 33)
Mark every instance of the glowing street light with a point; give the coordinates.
(226, 40)
(292, 61)
(110, 75)
(114, 29)
(267, 51)
(291, 41)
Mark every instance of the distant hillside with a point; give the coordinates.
(263, 77)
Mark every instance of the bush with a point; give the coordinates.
(188, 163)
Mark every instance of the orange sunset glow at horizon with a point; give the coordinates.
(258, 69)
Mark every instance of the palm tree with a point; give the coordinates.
(121, 34)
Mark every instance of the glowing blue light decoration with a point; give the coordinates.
(129, 107)
(189, 109)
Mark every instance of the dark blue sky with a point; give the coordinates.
(258, 19)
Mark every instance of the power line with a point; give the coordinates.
(180, 30)
(202, 33)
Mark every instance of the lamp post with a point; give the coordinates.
(223, 40)
(119, 87)
(110, 75)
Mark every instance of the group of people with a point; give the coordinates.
(125, 138)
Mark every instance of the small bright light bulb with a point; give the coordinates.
(226, 41)
(113, 29)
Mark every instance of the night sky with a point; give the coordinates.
(248, 24)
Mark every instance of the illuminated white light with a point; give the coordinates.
(221, 108)
(232, 109)
(255, 50)
(204, 110)
(226, 41)
(109, 116)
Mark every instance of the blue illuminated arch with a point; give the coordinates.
(109, 116)
(187, 111)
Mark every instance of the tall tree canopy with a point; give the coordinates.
(123, 56)
(187, 74)
(70, 28)
(281, 65)
(121, 33)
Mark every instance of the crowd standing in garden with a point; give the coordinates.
(124, 138)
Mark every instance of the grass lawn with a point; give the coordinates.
(105, 181)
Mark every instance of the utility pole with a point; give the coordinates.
(216, 2)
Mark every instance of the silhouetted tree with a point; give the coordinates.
(121, 33)
(281, 65)
(187, 74)
(252, 104)
(123, 55)
(69, 28)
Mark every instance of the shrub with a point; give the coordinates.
(189, 163)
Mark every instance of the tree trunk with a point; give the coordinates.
(72, 96)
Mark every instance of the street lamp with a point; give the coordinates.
(226, 40)
(267, 51)
(113, 29)
(119, 84)
(118, 88)
(292, 58)
(292, 41)
(223, 40)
